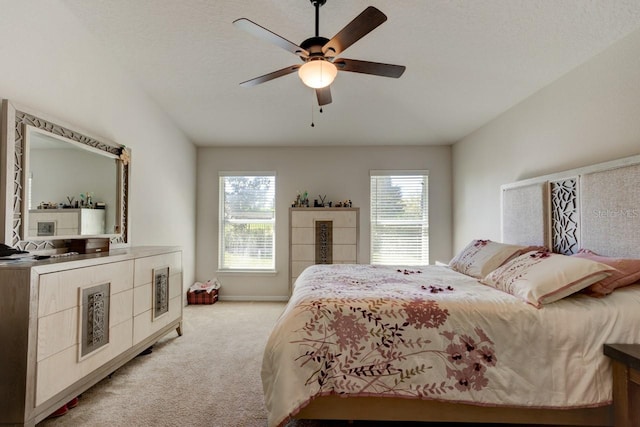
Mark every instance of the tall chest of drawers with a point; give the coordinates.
(322, 236)
(67, 323)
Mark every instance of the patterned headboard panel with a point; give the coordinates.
(596, 207)
(564, 215)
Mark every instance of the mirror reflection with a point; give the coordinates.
(71, 190)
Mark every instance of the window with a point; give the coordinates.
(400, 217)
(247, 221)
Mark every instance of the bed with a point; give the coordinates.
(472, 341)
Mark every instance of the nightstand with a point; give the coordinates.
(626, 383)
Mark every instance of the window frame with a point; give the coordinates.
(423, 249)
(222, 175)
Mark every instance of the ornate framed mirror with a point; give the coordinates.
(59, 183)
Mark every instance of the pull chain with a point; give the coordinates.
(313, 92)
(312, 125)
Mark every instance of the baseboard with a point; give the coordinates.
(249, 298)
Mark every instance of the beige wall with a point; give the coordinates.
(340, 173)
(51, 64)
(590, 115)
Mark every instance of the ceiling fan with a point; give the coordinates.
(318, 54)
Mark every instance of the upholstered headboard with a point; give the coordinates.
(595, 207)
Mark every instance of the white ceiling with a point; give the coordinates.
(467, 62)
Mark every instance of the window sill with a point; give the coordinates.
(247, 272)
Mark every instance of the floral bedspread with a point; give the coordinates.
(432, 333)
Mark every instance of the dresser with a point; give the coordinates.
(322, 236)
(68, 322)
(66, 222)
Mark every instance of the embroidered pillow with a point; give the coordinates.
(627, 272)
(541, 278)
(481, 257)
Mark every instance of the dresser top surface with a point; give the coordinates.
(56, 263)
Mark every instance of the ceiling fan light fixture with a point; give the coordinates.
(317, 73)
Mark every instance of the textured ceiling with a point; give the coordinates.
(467, 62)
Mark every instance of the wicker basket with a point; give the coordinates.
(202, 297)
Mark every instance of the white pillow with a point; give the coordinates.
(481, 257)
(540, 277)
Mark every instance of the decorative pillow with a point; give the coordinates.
(481, 257)
(627, 272)
(542, 277)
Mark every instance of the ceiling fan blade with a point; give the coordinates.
(261, 32)
(271, 76)
(366, 67)
(361, 25)
(324, 96)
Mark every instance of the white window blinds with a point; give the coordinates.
(247, 221)
(400, 217)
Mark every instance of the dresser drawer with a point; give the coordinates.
(346, 218)
(60, 331)
(147, 317)
(144, 324)
(59, 291)
(144, 266)
(143, 295)
(62, 369)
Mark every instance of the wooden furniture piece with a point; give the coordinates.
(68, 322)
(66, 222)
(19, 127)
(398, 409)
(322, 236)
(626, 383)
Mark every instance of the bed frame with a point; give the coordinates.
(398, 409)
(596, 207)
